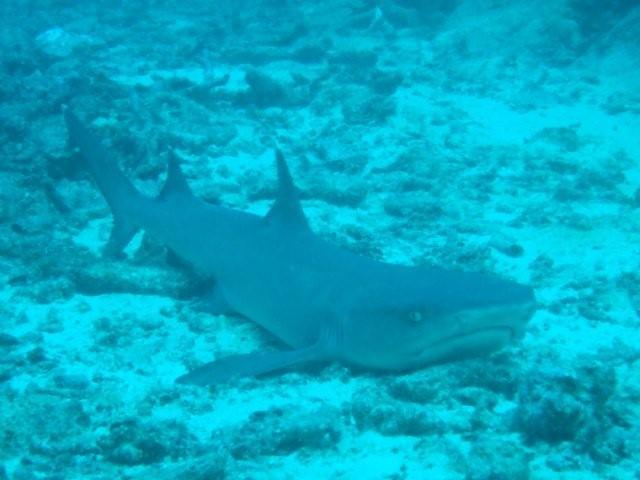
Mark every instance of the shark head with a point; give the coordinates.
(432, 316)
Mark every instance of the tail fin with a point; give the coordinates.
(118, 191)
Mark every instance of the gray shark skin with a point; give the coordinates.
(326, 303)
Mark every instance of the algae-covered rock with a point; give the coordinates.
(567, 405)
(132, 442)
(57, 42)
(71, 381)
(374, 411)
(264, 91)
(212, 465)
(369, 110)
(8, 340)
(280, 431)
(409, 390)
(493, 458)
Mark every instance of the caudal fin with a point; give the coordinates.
(118, 191)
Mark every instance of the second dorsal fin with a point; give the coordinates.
(286, 209)
(175, 184)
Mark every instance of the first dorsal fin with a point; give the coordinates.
(175, 184)
(286, 209)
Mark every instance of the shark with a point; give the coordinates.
(323, 302)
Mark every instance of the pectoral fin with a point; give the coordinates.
(215, 302)
(250, 365)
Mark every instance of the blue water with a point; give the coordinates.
(488, 136)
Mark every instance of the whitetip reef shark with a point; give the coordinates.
(324, 302)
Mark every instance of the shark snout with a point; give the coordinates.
(520, 316)
(476, 332)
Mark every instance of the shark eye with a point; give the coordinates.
(416, 317)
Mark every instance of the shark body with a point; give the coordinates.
(324, 302)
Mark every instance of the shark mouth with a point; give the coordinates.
(499, 332)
